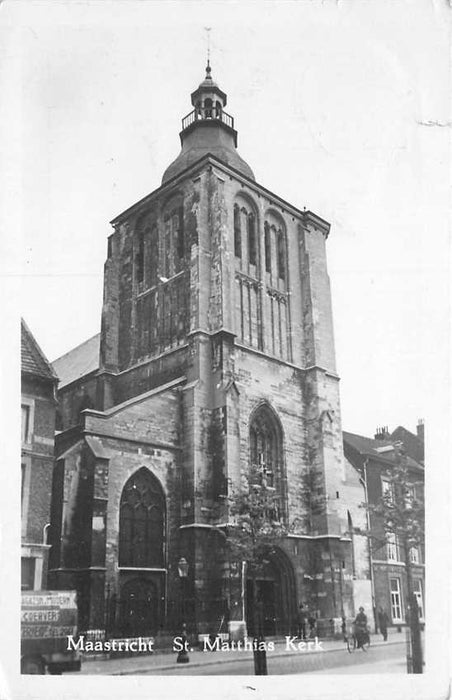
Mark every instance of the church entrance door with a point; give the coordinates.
(274, 605)
(139, 608)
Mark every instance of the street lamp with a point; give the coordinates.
(182, 569)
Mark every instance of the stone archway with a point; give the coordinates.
(276, 594)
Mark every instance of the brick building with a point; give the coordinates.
(375, 459)
(38, 404)
(216, 352)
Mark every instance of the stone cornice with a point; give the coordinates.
(306, 216)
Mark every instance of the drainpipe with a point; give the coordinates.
(369, 542)
(243, 590)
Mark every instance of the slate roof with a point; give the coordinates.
(78, 362)
(33, 360)
(369, 447)
(414, 445)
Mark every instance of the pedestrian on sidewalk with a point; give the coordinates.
(301, 622)
(312, 626)
(383, 623)
(360, 629)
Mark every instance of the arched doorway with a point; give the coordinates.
(275, 597)
(139, 608)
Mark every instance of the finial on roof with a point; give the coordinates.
(208, 68)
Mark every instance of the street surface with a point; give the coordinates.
(377, 660)
(333, 657)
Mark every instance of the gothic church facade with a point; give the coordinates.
(216, 353)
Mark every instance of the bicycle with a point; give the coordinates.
(357, 639)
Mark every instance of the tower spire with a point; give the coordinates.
(208, 129)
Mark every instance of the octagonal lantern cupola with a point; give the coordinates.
(209, 101)
(208, 129)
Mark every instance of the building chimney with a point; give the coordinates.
(420, 429)
(382, 433)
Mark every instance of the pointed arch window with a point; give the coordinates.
(237, 232)
(252, 243)
(142, 522)
(173, 241)
(266, 454)
(153, 256)
(281, 251)
(265, 444)
(267, 242)
(146, 251)
(140, 257)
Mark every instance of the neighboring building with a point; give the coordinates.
(413, 444)
(216, 352)
(375, 459)
(38, 430)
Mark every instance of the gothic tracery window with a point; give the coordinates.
(265, 447)
(142, 522)
(140, 256)
(248, 302)
(266, 453)
(146, 251)
(277, 331)
(173, 242)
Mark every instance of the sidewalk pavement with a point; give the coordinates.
(166, 660)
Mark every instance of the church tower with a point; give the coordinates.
(216, 354)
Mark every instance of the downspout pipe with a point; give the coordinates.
(369, 542)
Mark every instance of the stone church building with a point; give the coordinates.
(216, 352)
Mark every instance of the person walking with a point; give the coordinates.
(383, 623)
(301, 622)
(360, 629)
(312, 625)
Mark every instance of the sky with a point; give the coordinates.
(340, 107)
